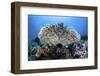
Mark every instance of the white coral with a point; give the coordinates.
(57, 33)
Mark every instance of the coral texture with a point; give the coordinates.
(78, 50)
(56, 41)
(54, 34)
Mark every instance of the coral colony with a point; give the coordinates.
(55, 41)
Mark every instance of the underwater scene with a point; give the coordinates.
(53, 37)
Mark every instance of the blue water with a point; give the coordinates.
(36, 22)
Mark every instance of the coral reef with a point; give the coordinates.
(55, 41)
(60, 52)
(78, 50)
(53, 34)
